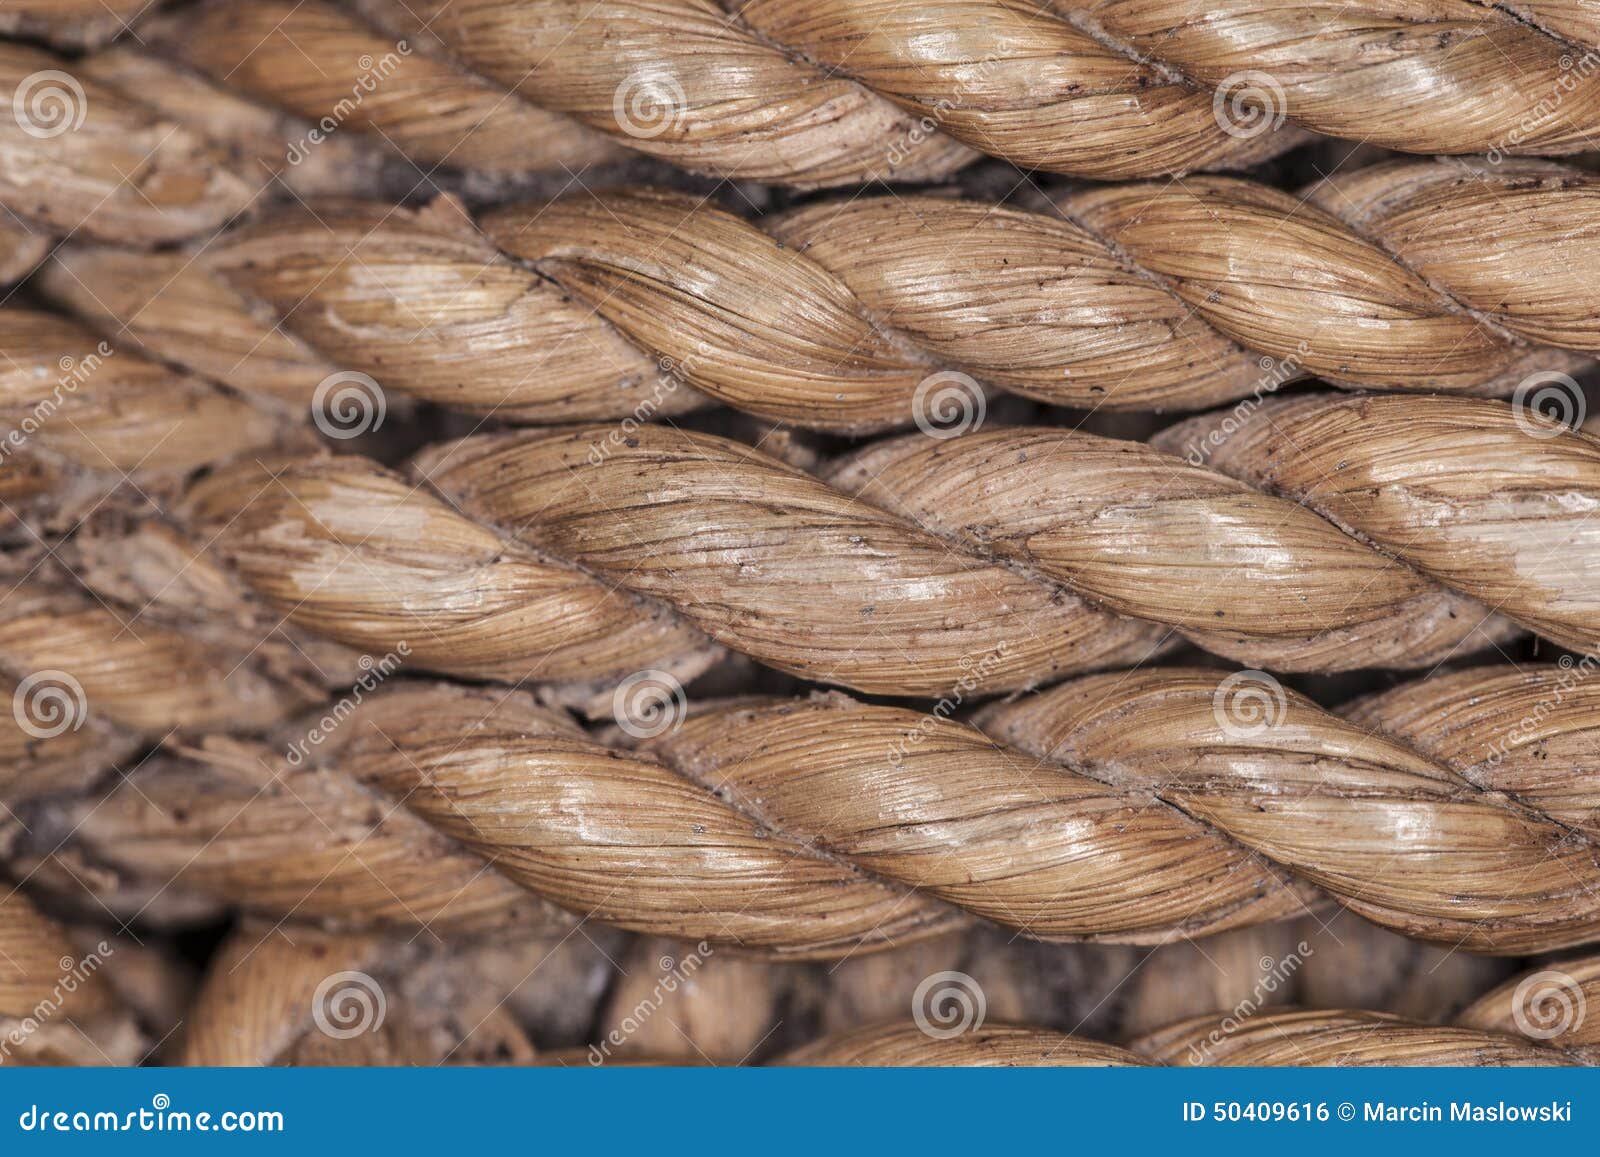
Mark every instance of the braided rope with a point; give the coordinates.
(1130, 807)
(854, 90)
(836, 316)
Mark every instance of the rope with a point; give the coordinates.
(1129, 807)
(856, 90)
(265, 999)
(1268, 1039)
(70, 23)
(862, 315)
(1035, 552)
(56, 1006)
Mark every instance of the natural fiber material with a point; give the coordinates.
(74, 400)
(1269, 1039)
(56, 1005)
(907, 594)
(70, 23)
(316, 999)
(836, 315)
(1126, 807)
(83, 418)
(1341, 1038)
(122, 174)
(123, 146)
(1553, 1001)
(310, 1000)
(1029, 552)
(307, 58)
(852, 90)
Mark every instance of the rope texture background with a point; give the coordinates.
(856, 90)
(1336, 532)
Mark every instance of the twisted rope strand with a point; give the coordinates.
(1132, 808)
(853, 90)
(836, 315)
(1269, 1038)
(300, 56)
(56, 1007)
(1052, 551)
(83, 156)
(718, 517)
(1036, 552)
(83, 419)
(123, 146)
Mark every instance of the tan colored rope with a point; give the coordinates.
(312, 1000)
(329, 68)
(1128, 807)
(838, 315)
(1048, 551)
(1342, 1039)
(852, 90)
(904, 595)
(1268, 1039)
(83, 417)
(123, 146)
(70, 23)
(269, 1001)
(79, 155)
(1035, 552)
(56, 1006)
